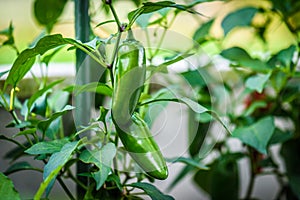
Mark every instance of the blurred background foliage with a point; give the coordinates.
(266, 33)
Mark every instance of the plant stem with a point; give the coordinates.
(162, 38)
(147, 85)
(115, 163)
(63, 185)
(120, 30)
(61, 182)
(138, 193)
(146, 91)
(115, 16)
(250, 187)
(127, 177)
(16, 49)
(149, 43)
(4, 100)
(33, 169)
(15, 117)
(83, 101)
(252, 175)
(89, 53)
(111, 67)
(76, 180)
(61, 129)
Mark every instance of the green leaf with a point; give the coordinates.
(204, 178)
(182, 174)
(137, 2)
(163, 68)
(47, 182)
(197, 132)
(143, 20)
(40, 106)
(3, 137)
(93, 126)
(47, 58)
(43, 125)
(105, 22)
(26, 132)
(222, 180)
(287, 8)
(48, 147)
(278, 80)
(102, 159)
(196, 2)
(291, 91)
(153, 110)
(54, 128)
(94, 43)
(150, 7)
(188, 161)
(241, 58)
(100, 88)
(22, 124)
(116, 179)
(202, 32)
(283, 58)
(56, 163)
(47, 12)
(7, 189)
(42, 34)
(196, 107)
(257, 82)
(58, 100)
(258, 134)
(280, 136)
(19, 166)
(3, 73)
(8, 32)
(103, 113)
(238, 18)
(236, 54)
(167, 95)
(18, 70)
(89, 193)
(151, 190)
(25, 60)
(101, 176)
(197, 78)
(290, 153)
(253, 106)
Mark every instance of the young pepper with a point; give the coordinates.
(141, 146)
(134, 133)
(130, 74)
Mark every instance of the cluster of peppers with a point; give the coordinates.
(129, 78)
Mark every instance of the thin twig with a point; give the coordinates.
(252, 176)
(76, 180)
(66, 189)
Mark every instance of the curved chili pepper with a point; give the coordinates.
(141, 146)
(129, 79)
(134, 133)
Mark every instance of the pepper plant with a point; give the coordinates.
(115, 153)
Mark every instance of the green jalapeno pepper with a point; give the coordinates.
(134, 133)
(141, 146)
(130, 74)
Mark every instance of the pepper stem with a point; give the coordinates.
(130, 35)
